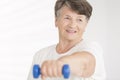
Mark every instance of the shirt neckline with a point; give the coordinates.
(61, 54)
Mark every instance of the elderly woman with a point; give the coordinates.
(84, 58)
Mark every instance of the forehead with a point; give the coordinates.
(69, 12)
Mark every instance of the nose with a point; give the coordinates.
(73, 24)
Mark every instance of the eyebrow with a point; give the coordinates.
(67, 15)
(79, 16)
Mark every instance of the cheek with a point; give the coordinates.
(83, 26)
(61, 25)
(82, 29)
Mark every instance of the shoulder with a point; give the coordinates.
(87, 43)
(44, 51)
(91, 46)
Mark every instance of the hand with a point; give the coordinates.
(51, 68)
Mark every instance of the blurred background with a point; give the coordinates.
(26, 26)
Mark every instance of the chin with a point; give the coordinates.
(71, 38)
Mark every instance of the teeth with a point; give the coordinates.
(71, 31)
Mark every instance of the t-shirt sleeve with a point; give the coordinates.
(95, 49)
(36, 58)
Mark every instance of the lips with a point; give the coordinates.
(71, 31)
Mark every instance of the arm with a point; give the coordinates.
(81, 63)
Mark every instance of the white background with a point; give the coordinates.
(28, 25)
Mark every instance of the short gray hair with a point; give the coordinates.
(80, 6)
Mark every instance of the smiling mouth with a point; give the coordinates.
(71, 31)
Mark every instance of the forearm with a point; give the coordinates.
(81, 63)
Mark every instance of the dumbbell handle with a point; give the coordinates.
(65, 71)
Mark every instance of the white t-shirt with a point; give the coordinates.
(50, 53)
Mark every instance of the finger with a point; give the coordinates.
(49, 71)
(50, 68)
(54, 66)
(43, 69)
(59, 68)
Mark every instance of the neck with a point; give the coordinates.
(64, 46)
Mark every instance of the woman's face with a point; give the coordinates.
(70, 24)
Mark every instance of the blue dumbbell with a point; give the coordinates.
(65, 71)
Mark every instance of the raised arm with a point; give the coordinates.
(82, 64)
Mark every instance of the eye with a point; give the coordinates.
(80, 20)
(66, 18)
